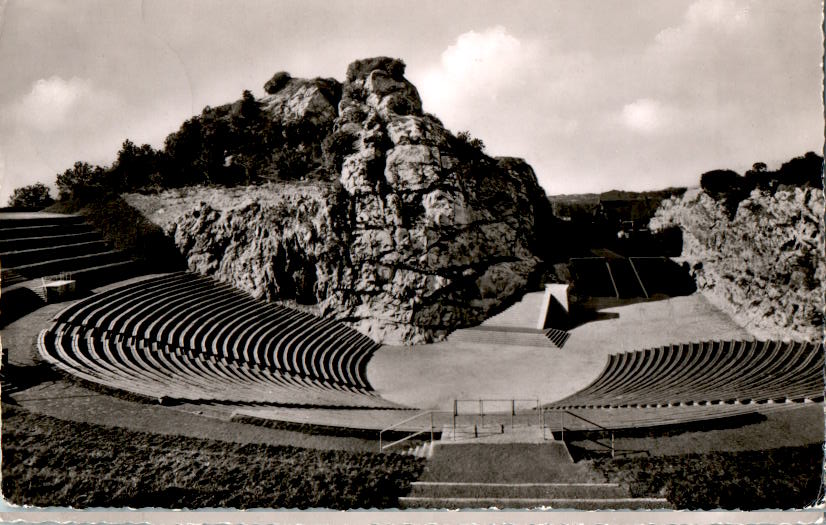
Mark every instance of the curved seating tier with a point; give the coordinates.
(602, 419)
(189, 337)
(710, 374)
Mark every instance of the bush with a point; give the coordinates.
(35, 196)
(727, 187)
(782, 478)
(83, 182)
(468, 145)
(806, 170)
(47, 461)
(718, 183)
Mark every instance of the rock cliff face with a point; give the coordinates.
(765, 267)
(421, 232)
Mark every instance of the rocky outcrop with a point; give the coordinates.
(419, 234)
(305, 101)
(441, 234)
(765, 266)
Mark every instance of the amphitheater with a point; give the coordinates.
(198, 348)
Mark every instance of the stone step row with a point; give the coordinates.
(202, 315)
(28, 256)
(503, 337)
(453, 489)
(28, 231)
(43, 245)
(10, 220)
(162, 371)
(419, 502)
(558, 337)
(72, 264)
(711, 372)
(28, 243)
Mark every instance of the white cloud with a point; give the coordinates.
(486, 60)
(705, 20)
(55, 103)
(477, 68)
(718, 13)
(645, 115)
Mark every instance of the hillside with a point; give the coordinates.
(387, 220)
(764, 265)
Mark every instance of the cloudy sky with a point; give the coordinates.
(594, 94)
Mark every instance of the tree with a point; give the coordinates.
(719, 183)
(727, 187)
(133, 168)
(802, 171)
(35, 196)
(759, 176)
(83, 181)
(466, 138)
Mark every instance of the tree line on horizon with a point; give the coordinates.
(731, 188)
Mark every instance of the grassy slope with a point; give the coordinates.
(768, 461)
(47, 461)
(781, 478)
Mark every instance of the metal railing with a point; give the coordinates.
(488, 416)
(592, 423)
(510, 413)
(413, 433)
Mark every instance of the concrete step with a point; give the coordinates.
(516, 475)
(422, 450)
(523, 314)
(453, 489)
(106, 273)
(502, 336)
(12, 259)
(411, 502)
(20, 219)
(557, 337)
(66, 264)
(547, 462)
(43, 230)
(27, 243)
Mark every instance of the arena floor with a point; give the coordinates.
(431, 376)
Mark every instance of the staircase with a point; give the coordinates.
(516, 476)
(515, 326)
(38, 244)
(423, 450)
(502, 336)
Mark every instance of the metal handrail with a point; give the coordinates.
(590, 423)
(586, 420)
(411, 418)
(414, 433)
(455, 414)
